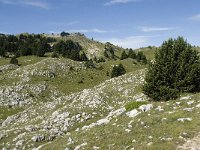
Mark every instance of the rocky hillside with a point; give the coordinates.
(92, 47)
(44, 105)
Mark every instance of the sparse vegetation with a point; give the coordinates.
(80, 101)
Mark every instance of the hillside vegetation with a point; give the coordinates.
(59, 103)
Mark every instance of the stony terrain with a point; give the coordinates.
(37, 113)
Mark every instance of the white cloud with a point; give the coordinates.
(195, 17)
(130, 42)
(113, 2)
(153, 29)
(95, 30)
(3, 32)
(89, 31)
(34, 3)
(7, 1)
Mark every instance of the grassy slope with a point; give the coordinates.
(148, 130)
(91, 47)
(112, 135)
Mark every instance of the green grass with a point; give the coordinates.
(69, 81)
(149, 52)
(4, 61)
(115, 137)
(134, 104)
(6, 111)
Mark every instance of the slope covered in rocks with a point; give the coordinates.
(43, 106)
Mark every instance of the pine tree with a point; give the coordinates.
(118, 71)
(83, 56)
(176, 69)
(124, 55)
(132, 54)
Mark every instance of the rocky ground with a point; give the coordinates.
(93, 118)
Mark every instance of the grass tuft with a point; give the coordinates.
(133, 105)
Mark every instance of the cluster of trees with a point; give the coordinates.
(118, 71)
(63, 34)
(70, 49)
(140, 57)
(176, 69)
(101, 59)
(25, 44)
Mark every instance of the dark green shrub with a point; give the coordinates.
(118, 71)
(80, 82)
(14, 61)
(54, 55)
(124, 55)
(107, 73)
(89, 64)
(132, 54)
(176, 69)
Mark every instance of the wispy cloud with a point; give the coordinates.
(34, 3)
(130, 42)
(195, 17)
(3, 32)
(95, 30)
(154, 29)
(72, 23)
(113, 2)
(7, 1)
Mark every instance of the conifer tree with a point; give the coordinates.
(132, 54)
(176, 69)
(124, 55)
(118, 71)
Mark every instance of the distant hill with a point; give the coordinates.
(92, 47)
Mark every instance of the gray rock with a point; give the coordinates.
(184, 119)
(146, 108)
(19, 143)
(38, 138)
(133, 113)
(10, 119)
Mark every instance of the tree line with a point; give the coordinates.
(24, 45)
(140, 57)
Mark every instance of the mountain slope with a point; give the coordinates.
(92, 47)
(41, 112)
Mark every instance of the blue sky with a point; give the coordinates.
(127, 23)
